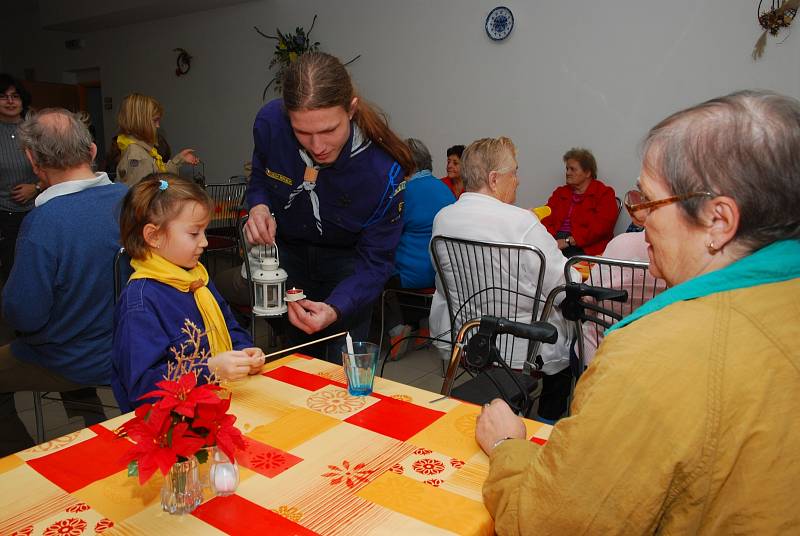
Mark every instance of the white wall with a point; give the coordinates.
(577, 72)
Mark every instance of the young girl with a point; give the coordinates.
(162, 227)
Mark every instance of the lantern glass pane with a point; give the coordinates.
(259, 295)
(272, 295)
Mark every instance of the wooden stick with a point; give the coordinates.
(305, 344)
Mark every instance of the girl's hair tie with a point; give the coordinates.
(163, 185)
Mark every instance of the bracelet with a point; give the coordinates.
(498, 442)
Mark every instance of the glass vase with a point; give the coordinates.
(223, 473)
(182, 491)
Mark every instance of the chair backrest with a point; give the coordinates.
(485, 278)
(630, 276)
(122, 271)
(243, 254)
(228, 204)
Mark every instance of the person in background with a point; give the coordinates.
(686, 420)
(425, 196)
(139, 119)
(453, 177)
(327, 170)
(162, 226)
(18, 184)
(486, 213)
(584, 210)
(60, 291)
(629, 246)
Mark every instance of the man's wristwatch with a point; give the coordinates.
(38, 188)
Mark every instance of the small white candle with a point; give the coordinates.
(225, 478)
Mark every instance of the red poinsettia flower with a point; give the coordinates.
(183, 395)
(159, 449)
(219, 425)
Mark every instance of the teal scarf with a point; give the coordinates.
(777, 262)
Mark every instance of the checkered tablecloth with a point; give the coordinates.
(318, 461)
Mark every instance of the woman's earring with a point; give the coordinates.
(711, 247)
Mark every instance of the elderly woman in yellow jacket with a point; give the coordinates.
(686, 420)
(139, 119)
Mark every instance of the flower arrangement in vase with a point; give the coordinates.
(175, 432)
(288, 48)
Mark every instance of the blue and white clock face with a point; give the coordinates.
(499, 23)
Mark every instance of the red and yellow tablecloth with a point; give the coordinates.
(319, 461)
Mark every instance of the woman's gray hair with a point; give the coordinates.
(420, 154)
(482, 157)
(56, 138)
(746, 146)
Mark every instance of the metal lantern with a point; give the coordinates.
(268, 280)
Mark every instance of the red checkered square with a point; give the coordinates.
(394, 418)
(237, 516)
(264, 459)
(78, 466)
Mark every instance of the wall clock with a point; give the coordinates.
(499, 23)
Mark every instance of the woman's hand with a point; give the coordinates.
(260, 227)
(22, 193)
(188, 156)
(496, 422)
(311, 316)
(257, 357)
(232, 365)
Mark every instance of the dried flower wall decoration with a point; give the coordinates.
(288, 48)
(779, 15)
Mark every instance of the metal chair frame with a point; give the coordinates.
(477, 282)
(122, 271)
(615, 274)
(425, 293)
(485, 281)
(228, 199)
(606, 312)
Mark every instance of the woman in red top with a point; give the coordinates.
(584, 211)
(453, 177)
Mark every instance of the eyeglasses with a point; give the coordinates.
(636, 201)
(10, 97)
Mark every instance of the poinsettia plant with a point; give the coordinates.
(185, 419)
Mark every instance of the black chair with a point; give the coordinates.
(222, 232)
(122, 272)
(500, 280)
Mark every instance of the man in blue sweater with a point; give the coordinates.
(59, 294)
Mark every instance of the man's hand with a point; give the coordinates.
(562, 243)
(260, 227)
(22, 193)
(257, 357)
(311, 316)
(496, 422)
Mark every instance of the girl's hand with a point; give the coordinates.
(232, 365)
(257, 359)
(188, 156)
